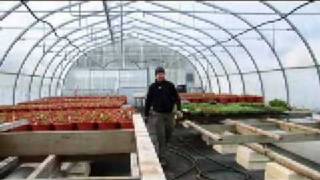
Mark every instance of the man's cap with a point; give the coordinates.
(159, 70)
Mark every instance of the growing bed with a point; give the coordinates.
(217, 112)
(50, 149)
(71, 114)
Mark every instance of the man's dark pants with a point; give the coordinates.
(160, 127)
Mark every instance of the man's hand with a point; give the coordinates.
(179, 115)
(146, 119)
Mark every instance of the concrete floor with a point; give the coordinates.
(222, 166)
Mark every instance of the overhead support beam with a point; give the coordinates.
(106, 11)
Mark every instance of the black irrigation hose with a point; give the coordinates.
(200, 173)
(227, 167)
(186, 157)
(51, 26)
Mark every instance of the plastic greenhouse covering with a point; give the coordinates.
(54, 48)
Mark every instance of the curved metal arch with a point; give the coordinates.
(208, 78)
(215, 74)
(11, 10)
(42, 57)
(299, 34)
(286, 84)
(58, 52)
(219, 87)
(65, 46)
(42, 38)
(82, 44)
(212, 38)
(186, 43)
(249, 54)
(194, 67)
(73, 4)
(35, 69)
(61, 61)
(39, 62)
(48, 50)
(317, 69)
(44, 73)
(195, 49)
(86, 16)
(181, 48)
(218, 42)
(190, 37)
(17, 38)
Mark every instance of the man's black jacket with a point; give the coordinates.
(162, 95)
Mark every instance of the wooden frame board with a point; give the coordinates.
(257, 133)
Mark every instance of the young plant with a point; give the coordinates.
(42, 118)
(60, 119)
(104, 117)
(280, 104)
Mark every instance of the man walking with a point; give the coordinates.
(162, 96)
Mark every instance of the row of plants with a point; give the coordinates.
(280, 104)
(111, 103)
(219, 98)
(77, 99)
(74, 120)
(71, 113)
(207, 109)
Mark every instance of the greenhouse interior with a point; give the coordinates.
(156, 90)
